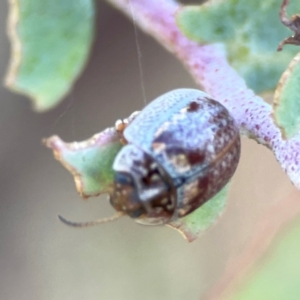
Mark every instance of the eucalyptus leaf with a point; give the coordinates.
(89, 161)
(51, 41)
(286, 105)
(250, 31)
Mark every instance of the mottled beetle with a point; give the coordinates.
(180, 151)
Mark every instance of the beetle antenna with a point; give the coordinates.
(116, 216)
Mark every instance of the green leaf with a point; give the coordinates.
(286, 105)
(51, 40)
(251, 32)
(89, 161)
(275, 275)
(194, 224)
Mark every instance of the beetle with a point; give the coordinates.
(179, 152)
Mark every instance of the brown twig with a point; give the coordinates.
(293, 23)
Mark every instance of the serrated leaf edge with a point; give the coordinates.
(276, 100)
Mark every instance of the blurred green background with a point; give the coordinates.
(41, 258)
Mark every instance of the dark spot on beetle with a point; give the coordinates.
(195, 157)
(203, 184)
(219, 134)
(193, 107)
